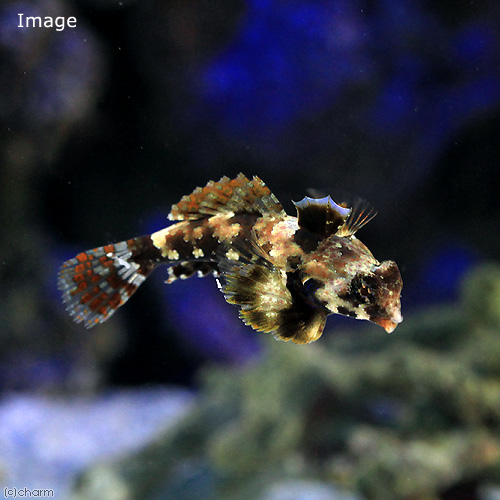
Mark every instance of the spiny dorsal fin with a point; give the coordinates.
(321, 215)
(267, 303)
(361, 213)
(239, 195)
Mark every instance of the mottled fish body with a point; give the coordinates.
(287, 274)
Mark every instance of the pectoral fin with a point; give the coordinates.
(268, 303)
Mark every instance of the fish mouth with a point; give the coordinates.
(389, 324)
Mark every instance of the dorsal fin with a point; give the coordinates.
(361, 213)
(239, 195)
(321, 215)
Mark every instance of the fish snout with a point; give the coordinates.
(390, 324)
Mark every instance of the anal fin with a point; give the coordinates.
(185, 270)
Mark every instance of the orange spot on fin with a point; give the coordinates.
(95, 283)
(239, 195)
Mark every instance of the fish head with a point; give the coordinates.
(375, 295)
(386, 308)
(344, 278)
(368, 290)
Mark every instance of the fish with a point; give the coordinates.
(285, 273)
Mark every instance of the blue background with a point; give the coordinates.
(104, 126)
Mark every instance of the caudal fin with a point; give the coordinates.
(97, 282)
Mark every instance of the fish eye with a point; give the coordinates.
(367, 293)
(364, 289)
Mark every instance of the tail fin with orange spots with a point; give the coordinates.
(97, 282)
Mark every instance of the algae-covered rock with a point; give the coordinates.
(410, 415)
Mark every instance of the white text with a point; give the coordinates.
(27, 493)
(59, 23)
